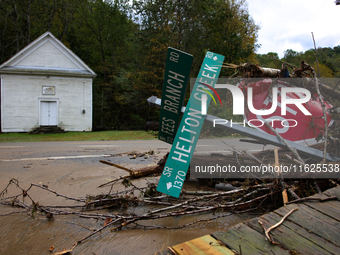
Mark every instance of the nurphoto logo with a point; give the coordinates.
(238, 99)
(303, 96)
(289, 106)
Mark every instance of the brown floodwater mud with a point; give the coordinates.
(23, 234)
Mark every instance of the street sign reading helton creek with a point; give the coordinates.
(183, 147)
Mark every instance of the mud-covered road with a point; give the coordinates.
(73, 169)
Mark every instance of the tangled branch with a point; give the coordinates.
(243, 199)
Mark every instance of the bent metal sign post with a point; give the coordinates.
(176, 76)
(177, 164)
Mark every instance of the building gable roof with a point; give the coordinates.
(47, 56)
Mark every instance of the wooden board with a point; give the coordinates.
(312, 229)
(333, 192)
(293, 237)
(250, 241)
(205, 245)
(330, 208)
(313, 221)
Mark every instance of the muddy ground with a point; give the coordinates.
(78, 176)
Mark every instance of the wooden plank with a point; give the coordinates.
(316, 240)
(312, 229)
(333, 192)
(330, 208)
(205, 245)
(250, 241)
(293, 237)
(313, 221)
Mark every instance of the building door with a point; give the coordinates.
(48, 111)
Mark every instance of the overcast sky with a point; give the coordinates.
(288, 24)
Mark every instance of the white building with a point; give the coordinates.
(46, 84)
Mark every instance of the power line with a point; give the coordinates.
(318, 11)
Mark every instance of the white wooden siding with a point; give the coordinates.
(21, 97)
(47, 55)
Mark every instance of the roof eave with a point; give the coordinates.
(48, 72)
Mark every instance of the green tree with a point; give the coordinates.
(292, 57)
(129, 54)
(103, 34)
(193, 26)
(325, 71)
(22, 21)
(268, 60)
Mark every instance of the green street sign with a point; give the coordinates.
(176, 77)
(177, 164)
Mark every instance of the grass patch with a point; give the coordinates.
(79, 136)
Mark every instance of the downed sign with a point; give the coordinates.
(177, 165)
(294, 125)
(267, 102)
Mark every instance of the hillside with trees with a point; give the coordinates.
(125, 43)
(328, 60)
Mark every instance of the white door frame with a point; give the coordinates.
(48, 100)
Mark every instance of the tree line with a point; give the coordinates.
(328, 60)
(125, 43)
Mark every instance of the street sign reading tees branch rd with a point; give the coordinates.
(177, 164)
(176, 76)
